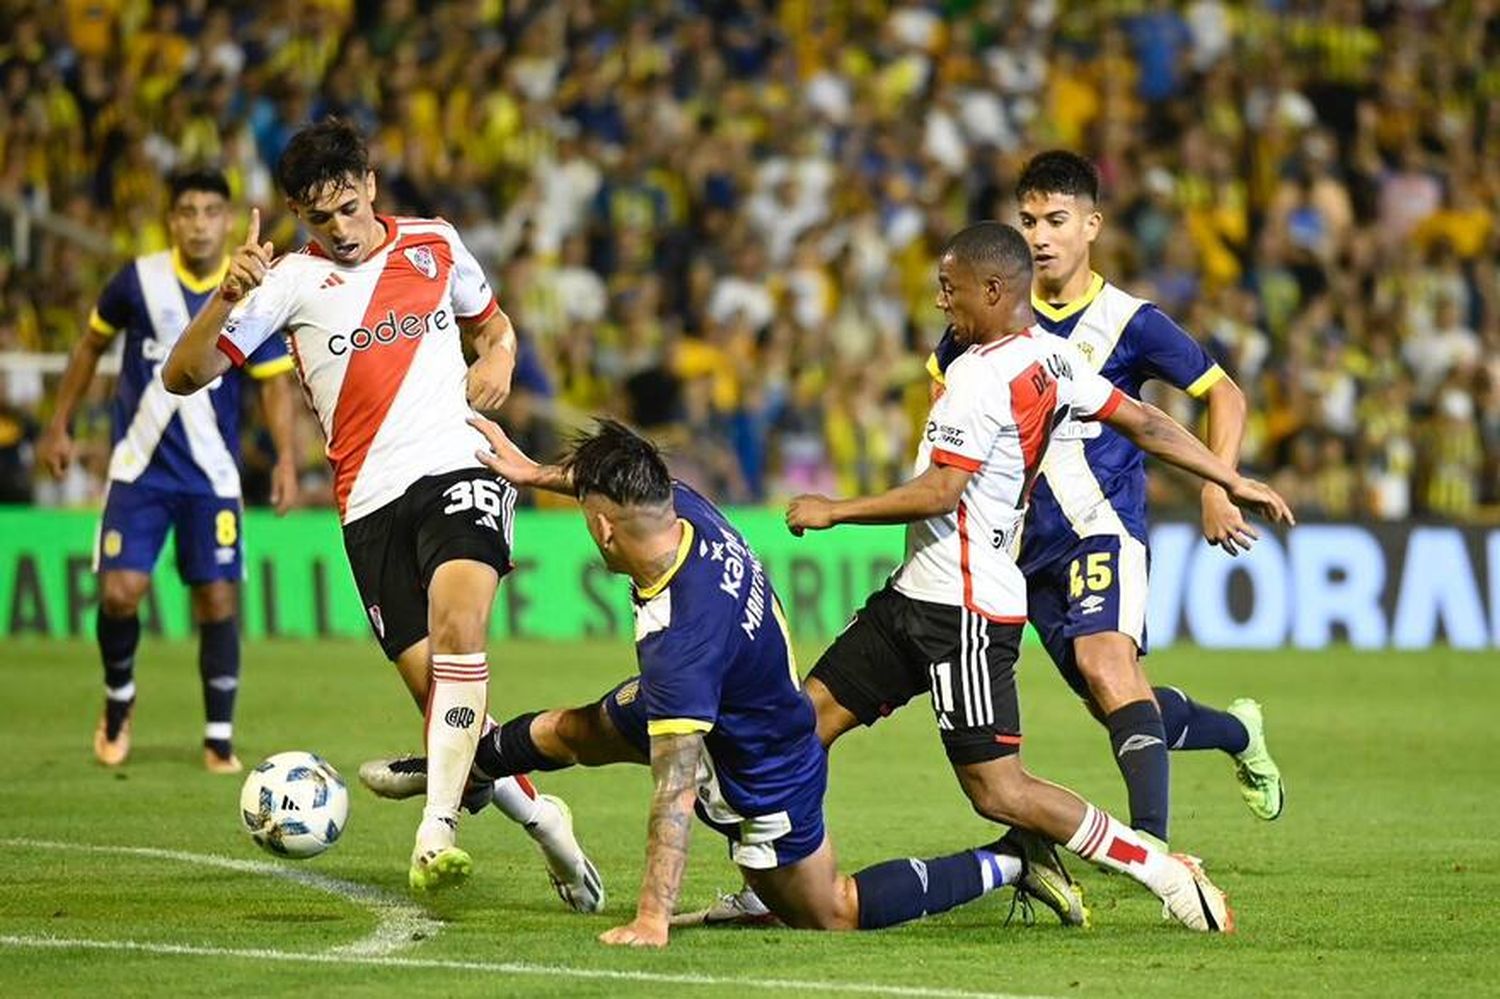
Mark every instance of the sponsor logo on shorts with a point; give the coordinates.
(459, 717)
(114, 543)
(224, 556)
(376, 621)
(1091, 604)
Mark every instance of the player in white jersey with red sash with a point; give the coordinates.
(949, 624)
(374, 310)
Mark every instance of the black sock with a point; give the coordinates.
(508, 750)
(897, 891)
(1190, 725)
(118, 638)
(219, 669)
(1140, 746)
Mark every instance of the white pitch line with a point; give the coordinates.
(501, 967)
(398, 922)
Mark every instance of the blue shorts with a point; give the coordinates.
(1098, 585)
(781, 838)
(135, 523)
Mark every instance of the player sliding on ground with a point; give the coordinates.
(373, 309)
(717, 711)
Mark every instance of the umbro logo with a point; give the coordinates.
(1136, 742)
(331, 281)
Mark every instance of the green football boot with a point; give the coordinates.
(1258, 774)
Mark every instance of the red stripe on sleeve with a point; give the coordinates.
(941, 457)
(484, 313)
(1113, 403)
(228, 348)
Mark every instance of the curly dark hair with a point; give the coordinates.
(324, 155)
(1059, 171)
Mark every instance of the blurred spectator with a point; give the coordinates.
(720, 220)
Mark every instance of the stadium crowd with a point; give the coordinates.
(718, 220)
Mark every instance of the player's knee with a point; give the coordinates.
(214, 602)
(120, 596)
(1001, 797)
(458, 629)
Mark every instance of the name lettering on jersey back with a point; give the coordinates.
(736, 559)
(389, 330)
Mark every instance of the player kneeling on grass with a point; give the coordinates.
(374, 310)
(717, 711)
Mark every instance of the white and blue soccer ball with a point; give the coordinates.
(294, 805)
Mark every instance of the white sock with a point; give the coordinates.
(1105, 840)
(455, 708)
(517, 798)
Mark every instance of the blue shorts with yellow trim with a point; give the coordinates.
(1097, 585)
(135, 524)
(792, 832)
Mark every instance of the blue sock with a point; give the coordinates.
(219, 669)
(901, 890)
(1190, 725)
(118, 638)
(1139, 741)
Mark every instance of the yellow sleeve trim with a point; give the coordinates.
(683, 547)
(677, 726)
(933, 369)
(272, 368)
(99, 325)
(1206, 381)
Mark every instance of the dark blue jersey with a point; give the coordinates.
(715, 658)
(171, 443)
(1129, 341)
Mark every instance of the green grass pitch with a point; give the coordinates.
(1381, 877)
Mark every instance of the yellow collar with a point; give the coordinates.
(683, 547)
(198, 285)
(1058, 313)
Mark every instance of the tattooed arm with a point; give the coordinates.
(674, 767)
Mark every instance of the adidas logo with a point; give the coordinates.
(331, 281)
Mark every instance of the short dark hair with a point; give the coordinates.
(1058, 171)
(991, 245)
(323, 155)
(196, 179)
(616, 462)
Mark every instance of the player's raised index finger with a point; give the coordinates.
(252, 235)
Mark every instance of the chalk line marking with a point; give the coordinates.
(398, 922)
(498, 967)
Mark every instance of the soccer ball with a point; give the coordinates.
(294, 805)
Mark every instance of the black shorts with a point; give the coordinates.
(467, 514)
(897, 648)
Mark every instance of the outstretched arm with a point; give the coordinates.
(674, 767)
(1158, 434)
(936, 491)
(514, 465)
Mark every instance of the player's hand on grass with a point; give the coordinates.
(636, 934)
(249, 263)
(284, 486)
(54, 451)
(809, 512)
(503, 458)
(489, 380)
(1224, 525)
(1262, 499)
